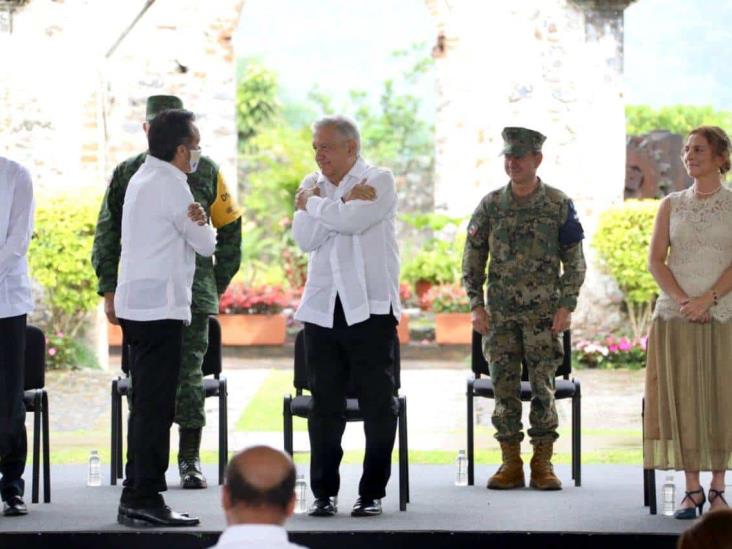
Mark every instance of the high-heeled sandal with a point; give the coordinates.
(714, 494)
(686, 513)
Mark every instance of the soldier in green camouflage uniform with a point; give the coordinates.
(210, 281)
(534, 239)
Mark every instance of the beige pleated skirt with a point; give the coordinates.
(688, 400)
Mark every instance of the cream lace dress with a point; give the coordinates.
(688, 406)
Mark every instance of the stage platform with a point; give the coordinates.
(607, 511)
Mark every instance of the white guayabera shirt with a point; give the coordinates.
(159, 245)
(16, 229)
(255, 536)
(353, 248)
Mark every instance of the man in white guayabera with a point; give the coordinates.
(160, 239)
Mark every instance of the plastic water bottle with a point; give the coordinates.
(669, 496)
(301, 495)
(94, 477)
(461, 478)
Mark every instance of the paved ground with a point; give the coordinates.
(79, 404)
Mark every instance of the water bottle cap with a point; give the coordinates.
(461, 451)
(93, 451)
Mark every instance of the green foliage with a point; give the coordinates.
(279, 158)
(59, 260)
(622, 240)
(256, 101)
(67, 353)
(679, 119)
(439, 260)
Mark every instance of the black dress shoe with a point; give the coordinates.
(191, 475)
(14, 507)
(153, 516)
(365, 507)
(323, 507)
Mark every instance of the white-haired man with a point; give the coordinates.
(345, 219)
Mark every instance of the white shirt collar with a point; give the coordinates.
(253, 532)
(155, 162)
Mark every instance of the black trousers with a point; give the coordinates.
(13, 438)
(154, 366)
(362, 354)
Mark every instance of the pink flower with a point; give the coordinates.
(613, 348)
(59, 334)
(52, 351)
(624, 344)
(644, 342)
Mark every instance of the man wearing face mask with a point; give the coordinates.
(209, 190)
(160, 241)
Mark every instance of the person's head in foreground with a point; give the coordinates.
(713, 531)
(259, 487)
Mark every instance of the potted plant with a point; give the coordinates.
(253, 315)
(450, 304)
(406, 297)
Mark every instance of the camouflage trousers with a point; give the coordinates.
(190, 396)
(507, 344)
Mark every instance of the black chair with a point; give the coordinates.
(301, 404)
(649, 475)
(213, 387)
(35, 398)
(565, 388)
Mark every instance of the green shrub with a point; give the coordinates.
(622, 240)
(59, 260)
(439, 260)
(640, 119)
(447, 298)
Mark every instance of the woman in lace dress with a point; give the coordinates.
(688, 419)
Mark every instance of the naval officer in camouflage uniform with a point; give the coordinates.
(534, 239)
(210, 281)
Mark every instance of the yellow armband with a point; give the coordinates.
(224, 210)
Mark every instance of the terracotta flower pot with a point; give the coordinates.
(253, 329)
(403, 329)
(453, 328)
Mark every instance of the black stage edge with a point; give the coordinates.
(352, 540)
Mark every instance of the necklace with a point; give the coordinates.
(710, 193)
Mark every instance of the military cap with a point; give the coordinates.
(158, 103)
(521, 141)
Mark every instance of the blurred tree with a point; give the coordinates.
(679, 119)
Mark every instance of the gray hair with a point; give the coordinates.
(345, 126)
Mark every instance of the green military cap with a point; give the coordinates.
(158, 103)
(521, 141)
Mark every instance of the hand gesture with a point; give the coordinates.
(481, 320)
(361, 191)
(562, 320)
(301, 198)
(196, 213)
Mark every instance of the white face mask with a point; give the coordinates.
(195, 158)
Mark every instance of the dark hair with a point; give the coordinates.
(713, 530)
(170, 128)
(719, 142)
(240, 490)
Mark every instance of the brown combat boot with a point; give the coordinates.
(511, 473)
(542, 471)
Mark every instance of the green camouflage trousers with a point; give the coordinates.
(190, 397)
(507, 343)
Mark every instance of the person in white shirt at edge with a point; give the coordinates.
(258, 497)
(162, 230)
(16, 228)
(345, 219)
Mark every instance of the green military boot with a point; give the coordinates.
(542, 470)
(189, 462)
(511, 473)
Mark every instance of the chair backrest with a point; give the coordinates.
(480, 367)
(35, 358)
(301, 370)
(212, 360)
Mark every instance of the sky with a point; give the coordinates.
(676, 51)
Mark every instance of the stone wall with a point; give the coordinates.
(78, 111)
(552, 65)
